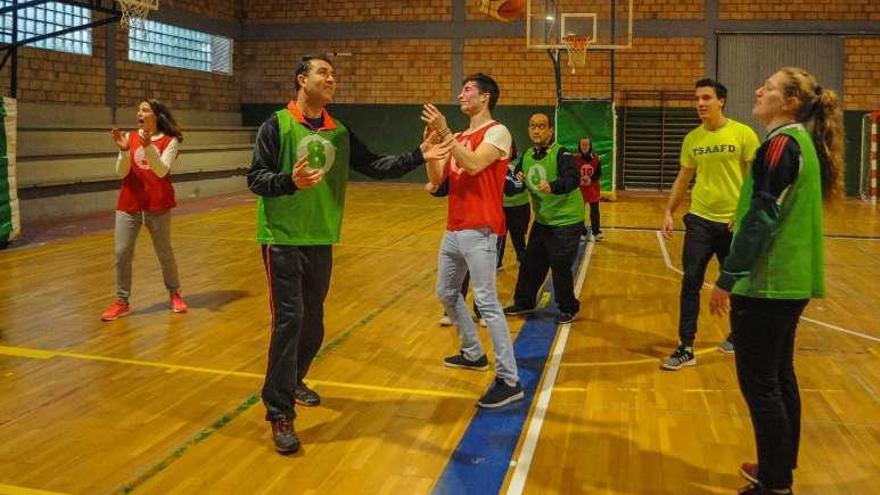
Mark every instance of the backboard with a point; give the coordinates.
(608, 22)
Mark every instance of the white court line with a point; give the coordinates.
(666, 258)
(838, 237)
(839, 329)
(524, 461)
(829, 326)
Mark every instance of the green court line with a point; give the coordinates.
(192, 442)
(254, 399)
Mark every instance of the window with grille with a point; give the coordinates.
(164, 44)
(48, 18)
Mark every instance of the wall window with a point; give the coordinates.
(164, 44)
(47, 18)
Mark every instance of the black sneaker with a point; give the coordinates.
(285, 439)
(563, 317)
(459, 361)
(305, 396)
(683, 356)
(515, 309)
(501, 394)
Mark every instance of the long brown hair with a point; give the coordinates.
(821, 111)
(165, 122)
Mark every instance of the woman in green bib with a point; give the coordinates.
(776, 261)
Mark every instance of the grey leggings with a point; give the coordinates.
(127, 227)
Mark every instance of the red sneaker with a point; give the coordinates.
(116, 310)
(177, 304)
(749, 471)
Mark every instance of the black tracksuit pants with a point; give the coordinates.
(517, 219)
(299, 278)
(553, 248)
(765, 336)
(702, 239)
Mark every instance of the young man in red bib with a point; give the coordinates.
(476, 173)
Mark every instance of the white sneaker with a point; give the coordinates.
(446, 321)
(599, 237)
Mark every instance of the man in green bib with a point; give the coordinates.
(718, 153)
(552, 180)
(299, 171)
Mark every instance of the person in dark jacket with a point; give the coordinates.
(302, 158)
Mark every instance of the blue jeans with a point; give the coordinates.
(475, 251)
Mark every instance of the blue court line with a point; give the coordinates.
(482, 458)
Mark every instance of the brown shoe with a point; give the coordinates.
(749, 471)
(285, 439)
(305, 396)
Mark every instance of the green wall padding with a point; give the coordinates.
(593, 119)
(9, 220)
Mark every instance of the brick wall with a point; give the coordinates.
(181, 89)
(838, 10)
(655, 64)
(274, 11)
(379, 71)
(50, 76)
(218, 9)
(644, 9)
(861, 74)
(47, 76)
(413, 71)
(526, 77)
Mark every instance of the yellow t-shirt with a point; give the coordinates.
(720, 158)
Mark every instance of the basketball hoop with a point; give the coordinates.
(576, 46)
(135, 12)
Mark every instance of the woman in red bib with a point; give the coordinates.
(145, 159)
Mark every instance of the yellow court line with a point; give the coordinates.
(625, 363)
(338, 246)
(212, 237)
(172, 368)
(397, 390)
(20, 490)
(387, 248)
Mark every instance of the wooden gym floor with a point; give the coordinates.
(162, 403)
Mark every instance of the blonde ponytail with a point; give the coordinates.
(822, 113)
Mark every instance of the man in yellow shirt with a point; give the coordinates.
(718, 153)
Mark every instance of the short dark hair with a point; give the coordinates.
(550, 118)
(305, 65)
(486, 85)
(720, 90)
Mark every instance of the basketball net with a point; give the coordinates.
(135, 12)
(576, 46)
